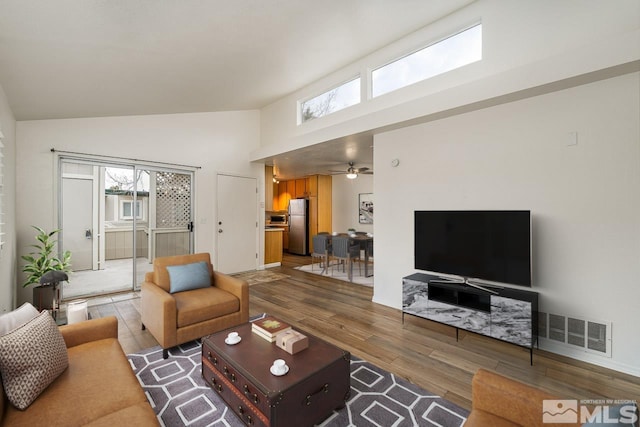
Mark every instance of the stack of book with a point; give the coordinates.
(269, 328)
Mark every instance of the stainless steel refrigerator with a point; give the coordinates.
(299, 226)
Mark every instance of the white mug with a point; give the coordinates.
(233, 336)
(279, 365)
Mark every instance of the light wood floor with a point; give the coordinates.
(424, 352)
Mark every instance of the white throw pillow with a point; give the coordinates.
(31, 357)
(16, 318)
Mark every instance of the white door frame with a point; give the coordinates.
(216, 228)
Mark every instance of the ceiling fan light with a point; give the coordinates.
(352, 175)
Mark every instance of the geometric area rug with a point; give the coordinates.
(180, 397)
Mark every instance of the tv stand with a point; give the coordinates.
(502, 313)
(467, 281)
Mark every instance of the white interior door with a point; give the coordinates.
(78, 221)
(237, 226)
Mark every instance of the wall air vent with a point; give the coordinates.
(598, 334)
(542, 325)
(579, 334)
(575, 332)
(557, 328)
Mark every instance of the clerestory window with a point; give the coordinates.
(338, 98)
(453, 52)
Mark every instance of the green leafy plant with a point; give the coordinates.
(43, 260)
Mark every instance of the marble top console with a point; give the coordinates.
(502, 313)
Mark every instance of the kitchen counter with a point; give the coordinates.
(284, 226)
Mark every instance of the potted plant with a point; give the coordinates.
(41, 262)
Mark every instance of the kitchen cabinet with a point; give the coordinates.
(285, 234)
(291, 191)
(300, 188)
(268, 188)
(286, 192)
(320, 218)
(312, 185)
(283, 196)
(273, 245)
(275, 204)
(285, 238)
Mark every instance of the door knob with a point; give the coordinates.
(219, 230)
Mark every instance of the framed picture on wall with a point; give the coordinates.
(365, 208)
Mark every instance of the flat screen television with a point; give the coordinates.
(480, 246)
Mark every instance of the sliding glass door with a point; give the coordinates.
(116, 218)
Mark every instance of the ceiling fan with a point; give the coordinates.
(352, 172)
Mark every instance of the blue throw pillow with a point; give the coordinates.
(189, 276)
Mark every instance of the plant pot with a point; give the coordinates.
(47, 298)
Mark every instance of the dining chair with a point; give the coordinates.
(346, 252)
(322, 250)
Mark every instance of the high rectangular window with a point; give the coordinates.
(446, 55)
(338, 98)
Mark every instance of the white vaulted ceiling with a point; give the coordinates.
(91, 58)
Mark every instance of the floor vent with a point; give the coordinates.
(589, 335)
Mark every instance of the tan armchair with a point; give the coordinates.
(176, 318)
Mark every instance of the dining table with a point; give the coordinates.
(363, 240)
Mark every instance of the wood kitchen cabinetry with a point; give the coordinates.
(311, 185)
(268, 188)
(285, 234)
(292, 189)
(301, 188)
(316, 188)
(273, 246)
(319, 206)
(286, 192)
(283, 197)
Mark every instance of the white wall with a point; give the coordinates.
(344, 204)
(8, 252)
(585, 199)
(473, 150)
(217, 142)
(525, 45)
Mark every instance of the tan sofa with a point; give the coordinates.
(181, 317)
(500, 401)
(98, 388)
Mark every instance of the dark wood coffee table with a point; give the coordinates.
(318, 380)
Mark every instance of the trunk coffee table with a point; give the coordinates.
(318, 380)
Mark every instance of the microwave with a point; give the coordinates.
(278, 219)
